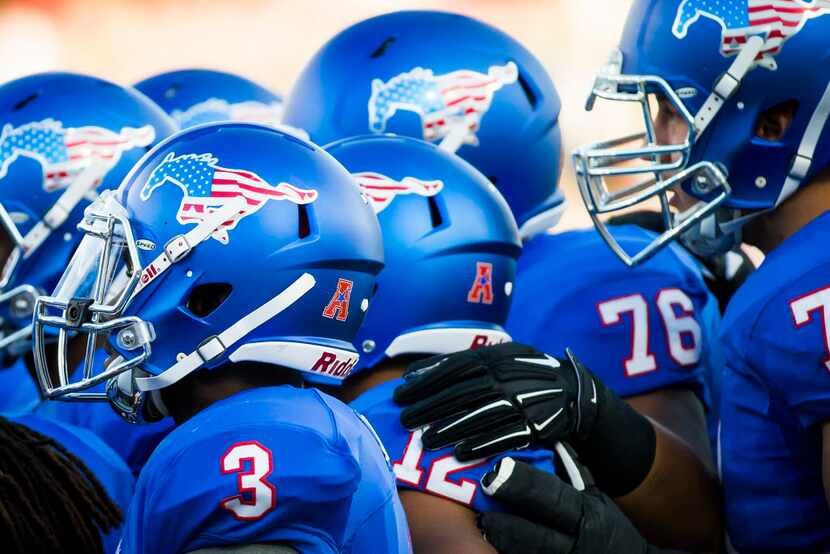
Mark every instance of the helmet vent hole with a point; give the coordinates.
(25, 102)
(528, 90)
(204, 299)
(493, 179)
(303, 225)
(434, 212)
(171, 91)
(381, 50)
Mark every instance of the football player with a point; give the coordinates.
(473, 89)
(741, 138)
(450, 249)
(65, 138)
(231, 259)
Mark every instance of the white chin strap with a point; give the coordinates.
(180, 246)
(57, 215)
(729, 82)
(807, 148)
(216, 345)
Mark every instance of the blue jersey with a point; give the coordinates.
(268, 465)
(108, 468)
(638, 329)
(20, 393)
(434, 472)
(776, 395)
(134, 443)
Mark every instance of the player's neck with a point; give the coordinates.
(770, 230)
(201, 389)
(384, 372)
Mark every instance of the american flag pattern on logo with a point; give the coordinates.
(775, 21)
(216, 109)
(442, 101)
(380, 190)
(207, 187)
(64, 152)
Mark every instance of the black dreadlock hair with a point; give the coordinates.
(49, 499)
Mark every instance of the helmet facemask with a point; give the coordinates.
(87, 306)
(663, 168)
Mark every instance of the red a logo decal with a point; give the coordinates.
(482, 290)
(338, 306)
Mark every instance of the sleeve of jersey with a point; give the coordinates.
(788, 349)
(639, 333)
(277, 484)
(438, 472)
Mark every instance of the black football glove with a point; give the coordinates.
(498, 398)
(549, 516)
(509, 396)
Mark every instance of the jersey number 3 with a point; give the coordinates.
(677, 325)
(256, 496)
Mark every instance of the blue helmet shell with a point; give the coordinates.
(196, 96)
(450, 245)
(424, 73)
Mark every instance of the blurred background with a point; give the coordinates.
(269, 41)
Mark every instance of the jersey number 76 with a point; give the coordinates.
(676, 324)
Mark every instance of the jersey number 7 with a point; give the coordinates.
(676, 324)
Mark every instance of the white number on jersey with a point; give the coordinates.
(409, 471)
(259, 495)
(803, 308)
(676, 327)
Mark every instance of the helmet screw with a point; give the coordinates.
(702, 185)
(368, 346)
(760, 182)
(127, 338)
(740, 105)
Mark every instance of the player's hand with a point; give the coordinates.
(499, 398)
(549, 516)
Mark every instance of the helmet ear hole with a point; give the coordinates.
(205, 298)
(773, 123)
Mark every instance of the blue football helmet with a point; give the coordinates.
(450, 244)
(196, 96)
(720, 65)
(65, 138)
(443, 78)
(229, 242)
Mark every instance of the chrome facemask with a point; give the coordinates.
(662, 167)
(87, 305)
(21, 298)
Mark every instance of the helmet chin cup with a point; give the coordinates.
(133, 405)
(703, 175)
